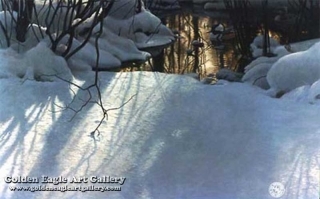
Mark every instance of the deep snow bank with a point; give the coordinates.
(177, 138)
(305, 94)
(257, 71)
(295, 70)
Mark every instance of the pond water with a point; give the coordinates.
(194, 24)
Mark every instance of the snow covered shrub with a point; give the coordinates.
(295, 70)
(33, 36)
(141, 29)
(45, 64)
(56, 16)
(72, 30)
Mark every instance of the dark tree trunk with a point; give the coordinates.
(195, 23)
(24, 9)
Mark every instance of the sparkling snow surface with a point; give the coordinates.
(177, 138)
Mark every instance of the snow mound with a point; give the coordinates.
(302, 45)
(229, 75)
(306, 94)
(122, 48)
(46, 64)
(279, 51)
(256, 72)
(144, 28)
(38, 63)
(122, 40)
(258, 75)
(314, 93)
(299, 94)
(257, 45)
(295, 70)
(87, 56)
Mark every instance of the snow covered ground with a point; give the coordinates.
(176, 138)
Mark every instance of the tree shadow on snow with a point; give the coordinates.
(35, 129)
(167, 141)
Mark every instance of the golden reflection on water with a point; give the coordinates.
(183, 57)
(204, 60)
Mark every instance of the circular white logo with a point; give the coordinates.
(276, 189)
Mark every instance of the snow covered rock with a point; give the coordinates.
(256, 72)
(257, 45)
(257, 76)
(295, 70)
(229, 75)
(279, 51)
